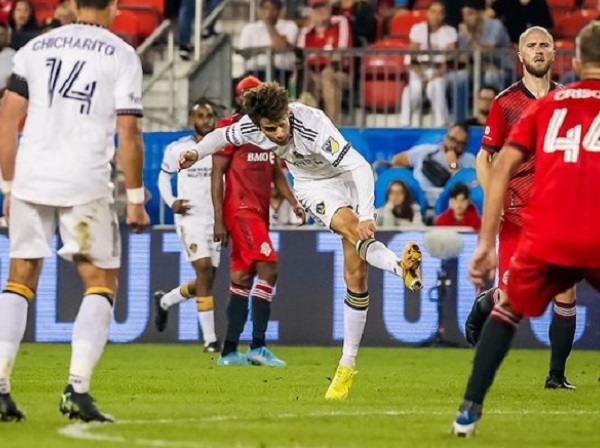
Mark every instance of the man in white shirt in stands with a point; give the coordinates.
(77, 84)
(335, 185)
(274, 32)
(427, 73)
(194, 221)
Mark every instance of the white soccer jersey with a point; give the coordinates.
(77, 78)
(316, 151)
(193, 184)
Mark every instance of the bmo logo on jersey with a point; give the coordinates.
(263, 156)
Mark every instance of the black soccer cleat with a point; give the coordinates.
(555, 381)
(8, 410)
(81, 406)
(162, 315)
(213, 347)
(476, 319)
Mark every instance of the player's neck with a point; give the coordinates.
(539, 87)
(94, 16)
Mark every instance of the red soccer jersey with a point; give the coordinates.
(562, 216)
(248, 178)
(336, 36)
(506, 110)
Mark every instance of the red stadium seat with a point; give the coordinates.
(385, 65)
(148, 19)
(159, 5)
(402, 23)
(43, 11)
(53, 3)
(565, 50)
(126, 26)
(591, 4)
(423, 4)
(570, 25)
(383, 95)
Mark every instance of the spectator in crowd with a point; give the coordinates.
(270, 31)
(326, 75)
(65, 13)
(518, 15)
(187, 13)
(281, 213)
(478, 32)
(6, 57)
(427, 73)
(461, 211)
(434, 164)
(399, 209)
(484, 101)
(5, 8)
(22, 23)
(361, 16)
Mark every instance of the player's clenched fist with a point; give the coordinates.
(187, 159)
(483, 264)
(137, 218)
(300, 214)
(366, 230)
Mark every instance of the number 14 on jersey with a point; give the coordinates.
(65, 86)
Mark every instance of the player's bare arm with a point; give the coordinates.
(12, 111)
(130, 155)
(211, 143)
(284, 188)
(483, 262)
(220, 167)
(483, 166)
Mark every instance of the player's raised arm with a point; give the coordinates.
(211, 143)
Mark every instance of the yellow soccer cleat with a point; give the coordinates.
(341, 383)
(411, 266)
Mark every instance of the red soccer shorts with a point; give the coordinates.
(508, 240)
(250, 242)
(534, 283)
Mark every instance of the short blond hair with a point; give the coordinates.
(588, 44)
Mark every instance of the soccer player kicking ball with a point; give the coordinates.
(559, 246)
(77, 85)
(194, 220)
(536, 52)
(242, 216)
(334, 184)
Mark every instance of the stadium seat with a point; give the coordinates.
(385, 76)
(126, 26)
(402, 23)
(383, 94)
(148, 19)
(422, 4)
(569, 26)
(467, 176)
(43, 11)
(358, 141)
(406, 176)
(565, 50)
(158, 5)
(53, 3)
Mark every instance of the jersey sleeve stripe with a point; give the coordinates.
(19, 85)
(341, 156)
(134, 112)
(491, 148)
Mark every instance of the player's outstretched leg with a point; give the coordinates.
(14, 302)
(481, 309)
(237, 314)
(496, 338)
(562, 335)
(163, 301)
(408, 267)
(90, 333)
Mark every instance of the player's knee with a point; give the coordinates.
(204, 268)
(568, 297)
(242, 278)
(25, 272)
(356, 279)
(268, 272)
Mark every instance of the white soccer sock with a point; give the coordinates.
(206, 317)
(207, 323)
(90, 333)
(377, 254)
(171, 298)
(355, 319)
(13, 320)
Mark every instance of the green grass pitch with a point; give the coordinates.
(176, 397)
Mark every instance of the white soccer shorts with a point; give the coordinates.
(322, 198)
(197, 240)
(89, 230)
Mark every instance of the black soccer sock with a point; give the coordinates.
(237, 314)
(562, 334)
(261, 312)
(496, 337)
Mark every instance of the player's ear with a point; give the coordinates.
(519, 56)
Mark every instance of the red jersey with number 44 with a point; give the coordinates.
(506, 110)
(248, 178)
(562, 217)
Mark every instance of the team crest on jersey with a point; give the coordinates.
(193, 248)
(320, 208)
(505, 277)
(331, 146)
(265, 249)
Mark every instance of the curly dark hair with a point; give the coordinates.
(405, 210)
(269, 100)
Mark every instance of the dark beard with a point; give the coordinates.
(202, 132)
(537, 73)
